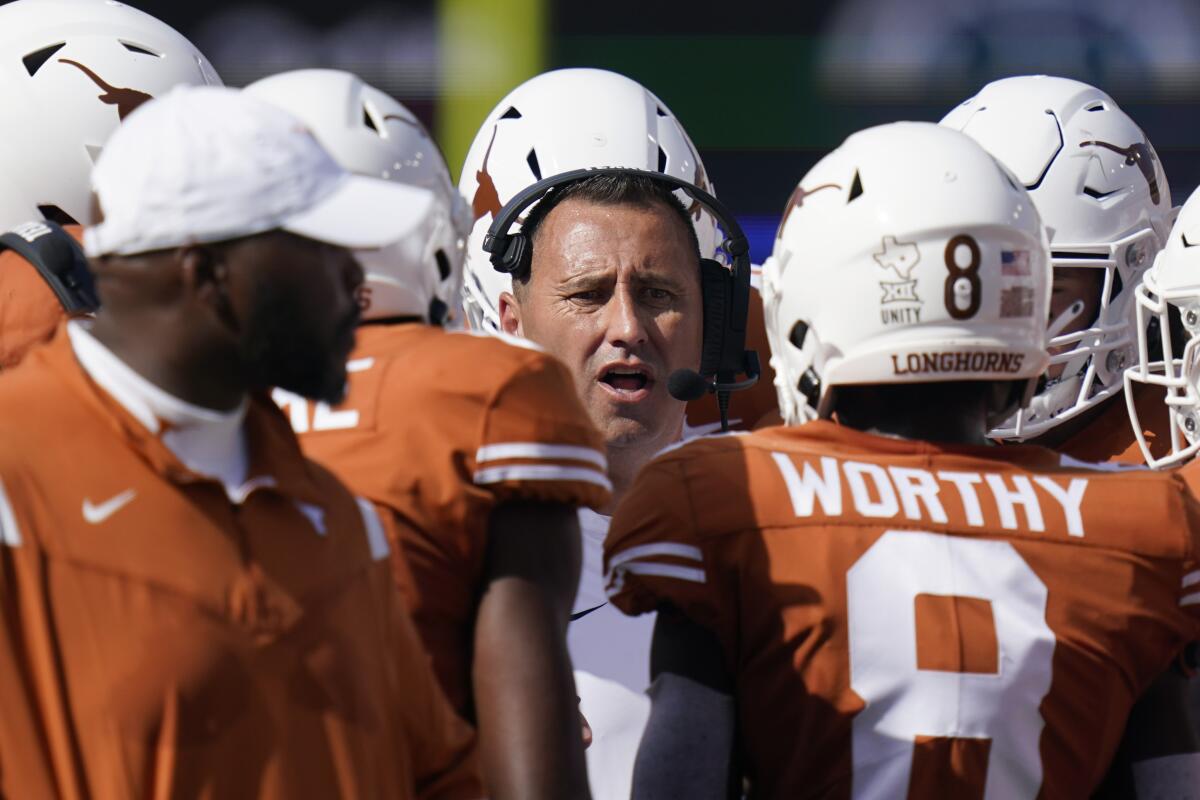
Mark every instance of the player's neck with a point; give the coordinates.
(208, 377)
(945, 413)
(940, 431)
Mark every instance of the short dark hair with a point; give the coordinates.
(608, 189)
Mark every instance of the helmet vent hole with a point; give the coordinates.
(660, 111)
(140, 49)
(1183, 238)
(512, 113)
(1096, 194)
(369, 121)
(1097, 106)
(56, 214)
(33, 62)
(798, 333)
(532, 161)
(856, 189)
(662, 160)
(443, 264)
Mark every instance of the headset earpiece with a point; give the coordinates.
(714, 287)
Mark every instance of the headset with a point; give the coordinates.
(725, 290)
(60, 261)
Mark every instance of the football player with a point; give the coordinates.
(886, 606)
(191, 608)
(1168, 299)
(1104, 199)
(475, 449)
(70, 71)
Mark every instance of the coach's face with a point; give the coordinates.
(614, 293)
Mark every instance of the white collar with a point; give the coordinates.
(141, 398)
(209, 442)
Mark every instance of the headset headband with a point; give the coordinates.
(498, 240)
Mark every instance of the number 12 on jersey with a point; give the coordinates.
(896, 592)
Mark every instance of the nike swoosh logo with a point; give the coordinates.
(96, 514)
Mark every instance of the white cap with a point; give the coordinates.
(210, 164)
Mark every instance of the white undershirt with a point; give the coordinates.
(208, 442)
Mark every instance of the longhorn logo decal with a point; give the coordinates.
(126, 100)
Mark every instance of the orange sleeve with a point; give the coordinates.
(654, 553)
(537, 442)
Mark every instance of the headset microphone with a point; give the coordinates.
(688, 385)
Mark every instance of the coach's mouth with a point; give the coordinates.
(627, 382)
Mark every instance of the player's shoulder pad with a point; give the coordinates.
(60, 261)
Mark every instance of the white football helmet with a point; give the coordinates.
(70, 71)
(369, 133)
(1173, 282)
(907, 255)
(559, 121)
(1104, 199)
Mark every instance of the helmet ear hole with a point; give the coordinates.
(810, 386)
(798, 333)
(443, 264)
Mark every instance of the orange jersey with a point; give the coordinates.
(159, 639)
(748, 408)
(29, 310)
(909, 620)
(437, 429)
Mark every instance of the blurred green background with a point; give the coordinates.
(763, 89)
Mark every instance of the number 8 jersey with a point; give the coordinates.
(904, 619)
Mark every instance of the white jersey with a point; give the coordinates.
(611, 655)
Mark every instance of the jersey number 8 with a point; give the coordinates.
(905, 702)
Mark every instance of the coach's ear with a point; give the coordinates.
(204, 271)
(510, 315)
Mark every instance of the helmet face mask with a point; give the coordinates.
(924, 261)
(1104, 199)
(70, 72)
(370, 133)
(554, 123)
(1168, 342)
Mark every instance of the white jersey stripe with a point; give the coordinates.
(1191, 579)
(540, 450)
(541, 472)
(375, 535)
(691, 574)
(1190, 599)
(10, 534)
(657, 549)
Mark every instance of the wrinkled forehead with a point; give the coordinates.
(581, 238)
